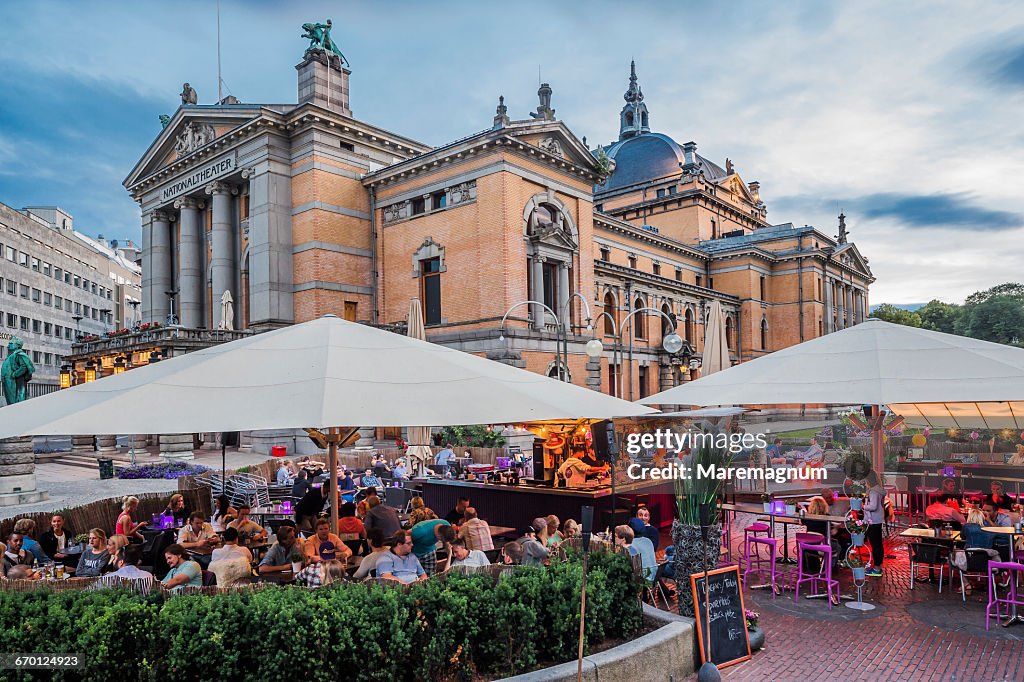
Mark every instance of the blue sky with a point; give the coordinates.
(907, 116)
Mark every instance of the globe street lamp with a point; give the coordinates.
(561, 334)
(671, 343)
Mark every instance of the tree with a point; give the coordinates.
(890, 313)
(939, 317)
(1012, 289)
(998, 318)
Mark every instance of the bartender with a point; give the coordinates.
(574, 471)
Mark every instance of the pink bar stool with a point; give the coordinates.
(1011, 600)
(822, 577)
(753, 531)
(760, 566)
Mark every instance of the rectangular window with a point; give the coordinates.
(110, 295)
(430, 270)
(699, 280)
(763, 297)
(48, 329)
(67, 278)
(612, 384)
(47, 269)
(632, 262)
(711, 282)
(93, 288)
(78, 308)
(24, 291)
(661, 193)
(58, 303)
(67, 333)
(23, 259)
(351, 308)
(642, 380)
(47, 358)
(78, 281)
(9, 253)
(656, 268)
(419, 206)
(24, 324)
(37, 356)
(606, 255)
(550, 271)
(37, 327)
(85, 310)
(12, 287)
(95, 314)
(12, 320)
(672, 190)
(599, 208)
(679, 274)
(58, 331)
(58, 273)
(439, 199)
(47, 298)
(37, 296)
(35, 264)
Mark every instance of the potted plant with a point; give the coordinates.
(766, 500)
(82, 539)
(856, 563)
(296, 557)
(857, 528)
(791, 508)
(754, 633)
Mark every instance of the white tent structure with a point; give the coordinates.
(716, 343)
(930, 378)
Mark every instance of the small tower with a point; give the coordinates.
(544, 110)
(633, 120)
(843, 233)
(501, 118)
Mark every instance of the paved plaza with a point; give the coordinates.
(912, 635)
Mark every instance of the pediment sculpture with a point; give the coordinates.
(194, 136)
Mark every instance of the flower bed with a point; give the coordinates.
(444, 629)
(162, 470)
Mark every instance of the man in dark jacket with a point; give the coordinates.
(381, 516)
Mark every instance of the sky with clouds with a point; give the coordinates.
(907, 116)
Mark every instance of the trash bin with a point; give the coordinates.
(278, 451)
(106, 468)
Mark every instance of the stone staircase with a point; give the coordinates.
(90, 460)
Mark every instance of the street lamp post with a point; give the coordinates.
(78, 327)
(172, 319)
(561, 333)
(672, 343)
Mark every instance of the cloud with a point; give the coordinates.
(936, 211)
(1005, 65)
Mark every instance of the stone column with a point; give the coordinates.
(160, 264)
(367, 436)
(850, 320)
(537, 291)
(563, 295)
(176, 446)
(270, 245)
(594, 374)
(18, 472)
(222, 260)
(147, 307)
(245, 441)
(83, 445)
(190, 263)
(828, 306)
(106, 443)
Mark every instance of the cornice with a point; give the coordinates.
(662, 282)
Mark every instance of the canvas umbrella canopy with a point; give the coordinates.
(716, 343)
(419, 436)
(323, 373)
(929, 378)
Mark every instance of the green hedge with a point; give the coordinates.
(439, 630)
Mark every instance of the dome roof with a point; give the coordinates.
(648, 157)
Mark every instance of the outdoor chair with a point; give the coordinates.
(492, 554)
(757, 565)
(978, 560)
(822, 577)
(654, 587)
(209, 579)
(1012, 600)
(930, 555)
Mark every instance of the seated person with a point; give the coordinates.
(644, 528)
(995, 516)
(476, 532)
(378, 548)
(23, 572)
(534, 553)
(1017, 459)
(301, 485)
(380, 515)
(949, 488)
(324, 539)
(939, 510)
(199, 538)
(115, 544)
(380, 466)
(774, 451)
(249, 532)
(345, 482)
(284, 473)
(458, 512)
(570, 529)
(813, 454)
(176, 508)
(349, 524)
(400, 564)
(15, 555)
(223, 515)
(998, 498)
(184, 571)
(283, 553)
(230, 549)
(420, 512)
(56, 540)
(370, 480)
(972, 533)
(95, 558)
(641, 547)
(27, 529)
(325, 572)
(127, 568)
(512, 553)
(400, 473)
(463, 556)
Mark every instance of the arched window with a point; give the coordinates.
(764, 333)
(667, 327)
(640, 320)
(611, 319)
(688, 326)
(730, 334)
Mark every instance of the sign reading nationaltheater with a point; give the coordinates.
(205, 174)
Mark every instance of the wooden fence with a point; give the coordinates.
(103, 513)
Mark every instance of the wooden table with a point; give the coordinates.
(929, 533)
(497, 531)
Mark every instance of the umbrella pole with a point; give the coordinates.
(877, 446)
(333, 436)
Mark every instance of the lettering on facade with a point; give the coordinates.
(199, 178)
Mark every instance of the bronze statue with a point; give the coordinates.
(188, 95)
(16, 372)
(164, 120)
(320, 39)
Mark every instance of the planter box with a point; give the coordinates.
(857, 539)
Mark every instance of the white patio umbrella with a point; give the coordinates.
(419, 436)
(928, 377)
(716, 343)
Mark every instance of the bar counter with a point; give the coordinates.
(517, 506)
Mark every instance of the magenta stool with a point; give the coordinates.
(756, 564)
(1011, 600)
(808, 538)
(752, 531)
(824, 576)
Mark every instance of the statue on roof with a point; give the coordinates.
(843, 234)
(320, 39)
(188, 95)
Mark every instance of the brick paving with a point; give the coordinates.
(913, 635)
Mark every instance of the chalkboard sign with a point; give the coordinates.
(726, 630)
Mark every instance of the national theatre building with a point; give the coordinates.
(299, 210)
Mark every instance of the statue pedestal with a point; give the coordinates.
(18, 473)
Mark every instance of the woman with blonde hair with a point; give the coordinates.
(420, 512)
(570, 528)
(554, 537)
(115, 543)
(124, 525)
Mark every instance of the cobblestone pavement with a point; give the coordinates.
(914, 634)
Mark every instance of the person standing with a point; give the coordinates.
(443, 459)
(874, 514)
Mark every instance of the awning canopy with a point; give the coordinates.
(930, 378)
(322, 373)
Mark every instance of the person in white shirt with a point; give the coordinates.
(284, 474)
(128, 570)
(463, 556)
(378, 549)
(199, 538)
(231, 549)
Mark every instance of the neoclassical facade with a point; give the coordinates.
(516, 239)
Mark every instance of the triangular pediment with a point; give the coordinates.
(556, 139)
(735, 184)
(190, 129)
(851, 256)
